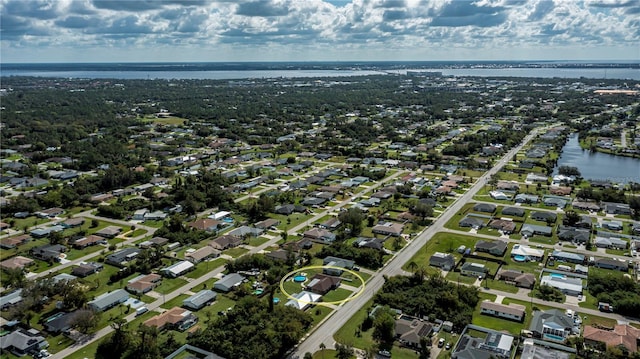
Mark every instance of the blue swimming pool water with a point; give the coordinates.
(557, 275)
(299, 278)
(519, 258)
(553, 337)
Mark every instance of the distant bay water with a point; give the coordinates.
(231, 72)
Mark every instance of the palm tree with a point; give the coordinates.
(322, 348)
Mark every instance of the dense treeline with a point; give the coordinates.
(434, 297)
(623, 292)
(251, 331)
(366, 257)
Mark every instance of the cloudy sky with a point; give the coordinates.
(308, 30)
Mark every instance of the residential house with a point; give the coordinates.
(612, 225)
(474, 270)
(532, 177)
(572, 234)
(86, 269)
(611, 263)
(202, 254)
(90, 240)
(492, 344)
(553, 201)
(544, 216)
(122, 257)
(519, 279)
(368, 242)
(108, 300)
(50, 212)
(562, 256)
(560, 191)
(73, 222)
(13, 242)
(497, 248)
(109, 232)
(388, 229)
(48, 252)
(303, 300)
(526, 252)
(336, 262)
(245, 232)
(228, 282)
(409, 331)
(617, 208)
(444, 261)
(622, 335)
(331, 224)
(206, 224)
(283, 255)
(474, 222)
(526, 198)
(512, 311)
(320, 235)
(529, 230)
(567, 285)
(17, 262)
(288, 209)
(200, 300)
(585, 205)
(485, 207)
(267, 223)
(11, 299)
(175, 318)
(225, 242)
(551, 325)
(499, 196)
(22, 342)
(513, 211)
(62, 323)
(322, 284)
(177, 269)
(508, 185)
(611, 243)
(503, 225)
(144, 283)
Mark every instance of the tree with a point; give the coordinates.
(12, 277)
(343, 351)
(569, 171)
(352, 218)
(117, 344)
(308, 355)
(384, 326)
(571, 218)
(85, 320)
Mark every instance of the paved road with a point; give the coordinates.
(324, 333)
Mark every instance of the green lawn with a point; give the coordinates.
(441, 242)
(169, 285)
(175, 302)
(350, 333)
(256, 241)
(235, 252)
(495, 323)
(336, 295)
(203, 268)
(318, 313)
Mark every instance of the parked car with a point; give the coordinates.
(440, 342)
(385, 353)
(448, 346)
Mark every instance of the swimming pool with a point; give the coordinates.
(519, 258)
(554, 337)
(558, 275)
(299, 278)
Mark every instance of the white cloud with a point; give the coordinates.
(205, 30)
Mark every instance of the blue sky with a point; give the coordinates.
(317, 30)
